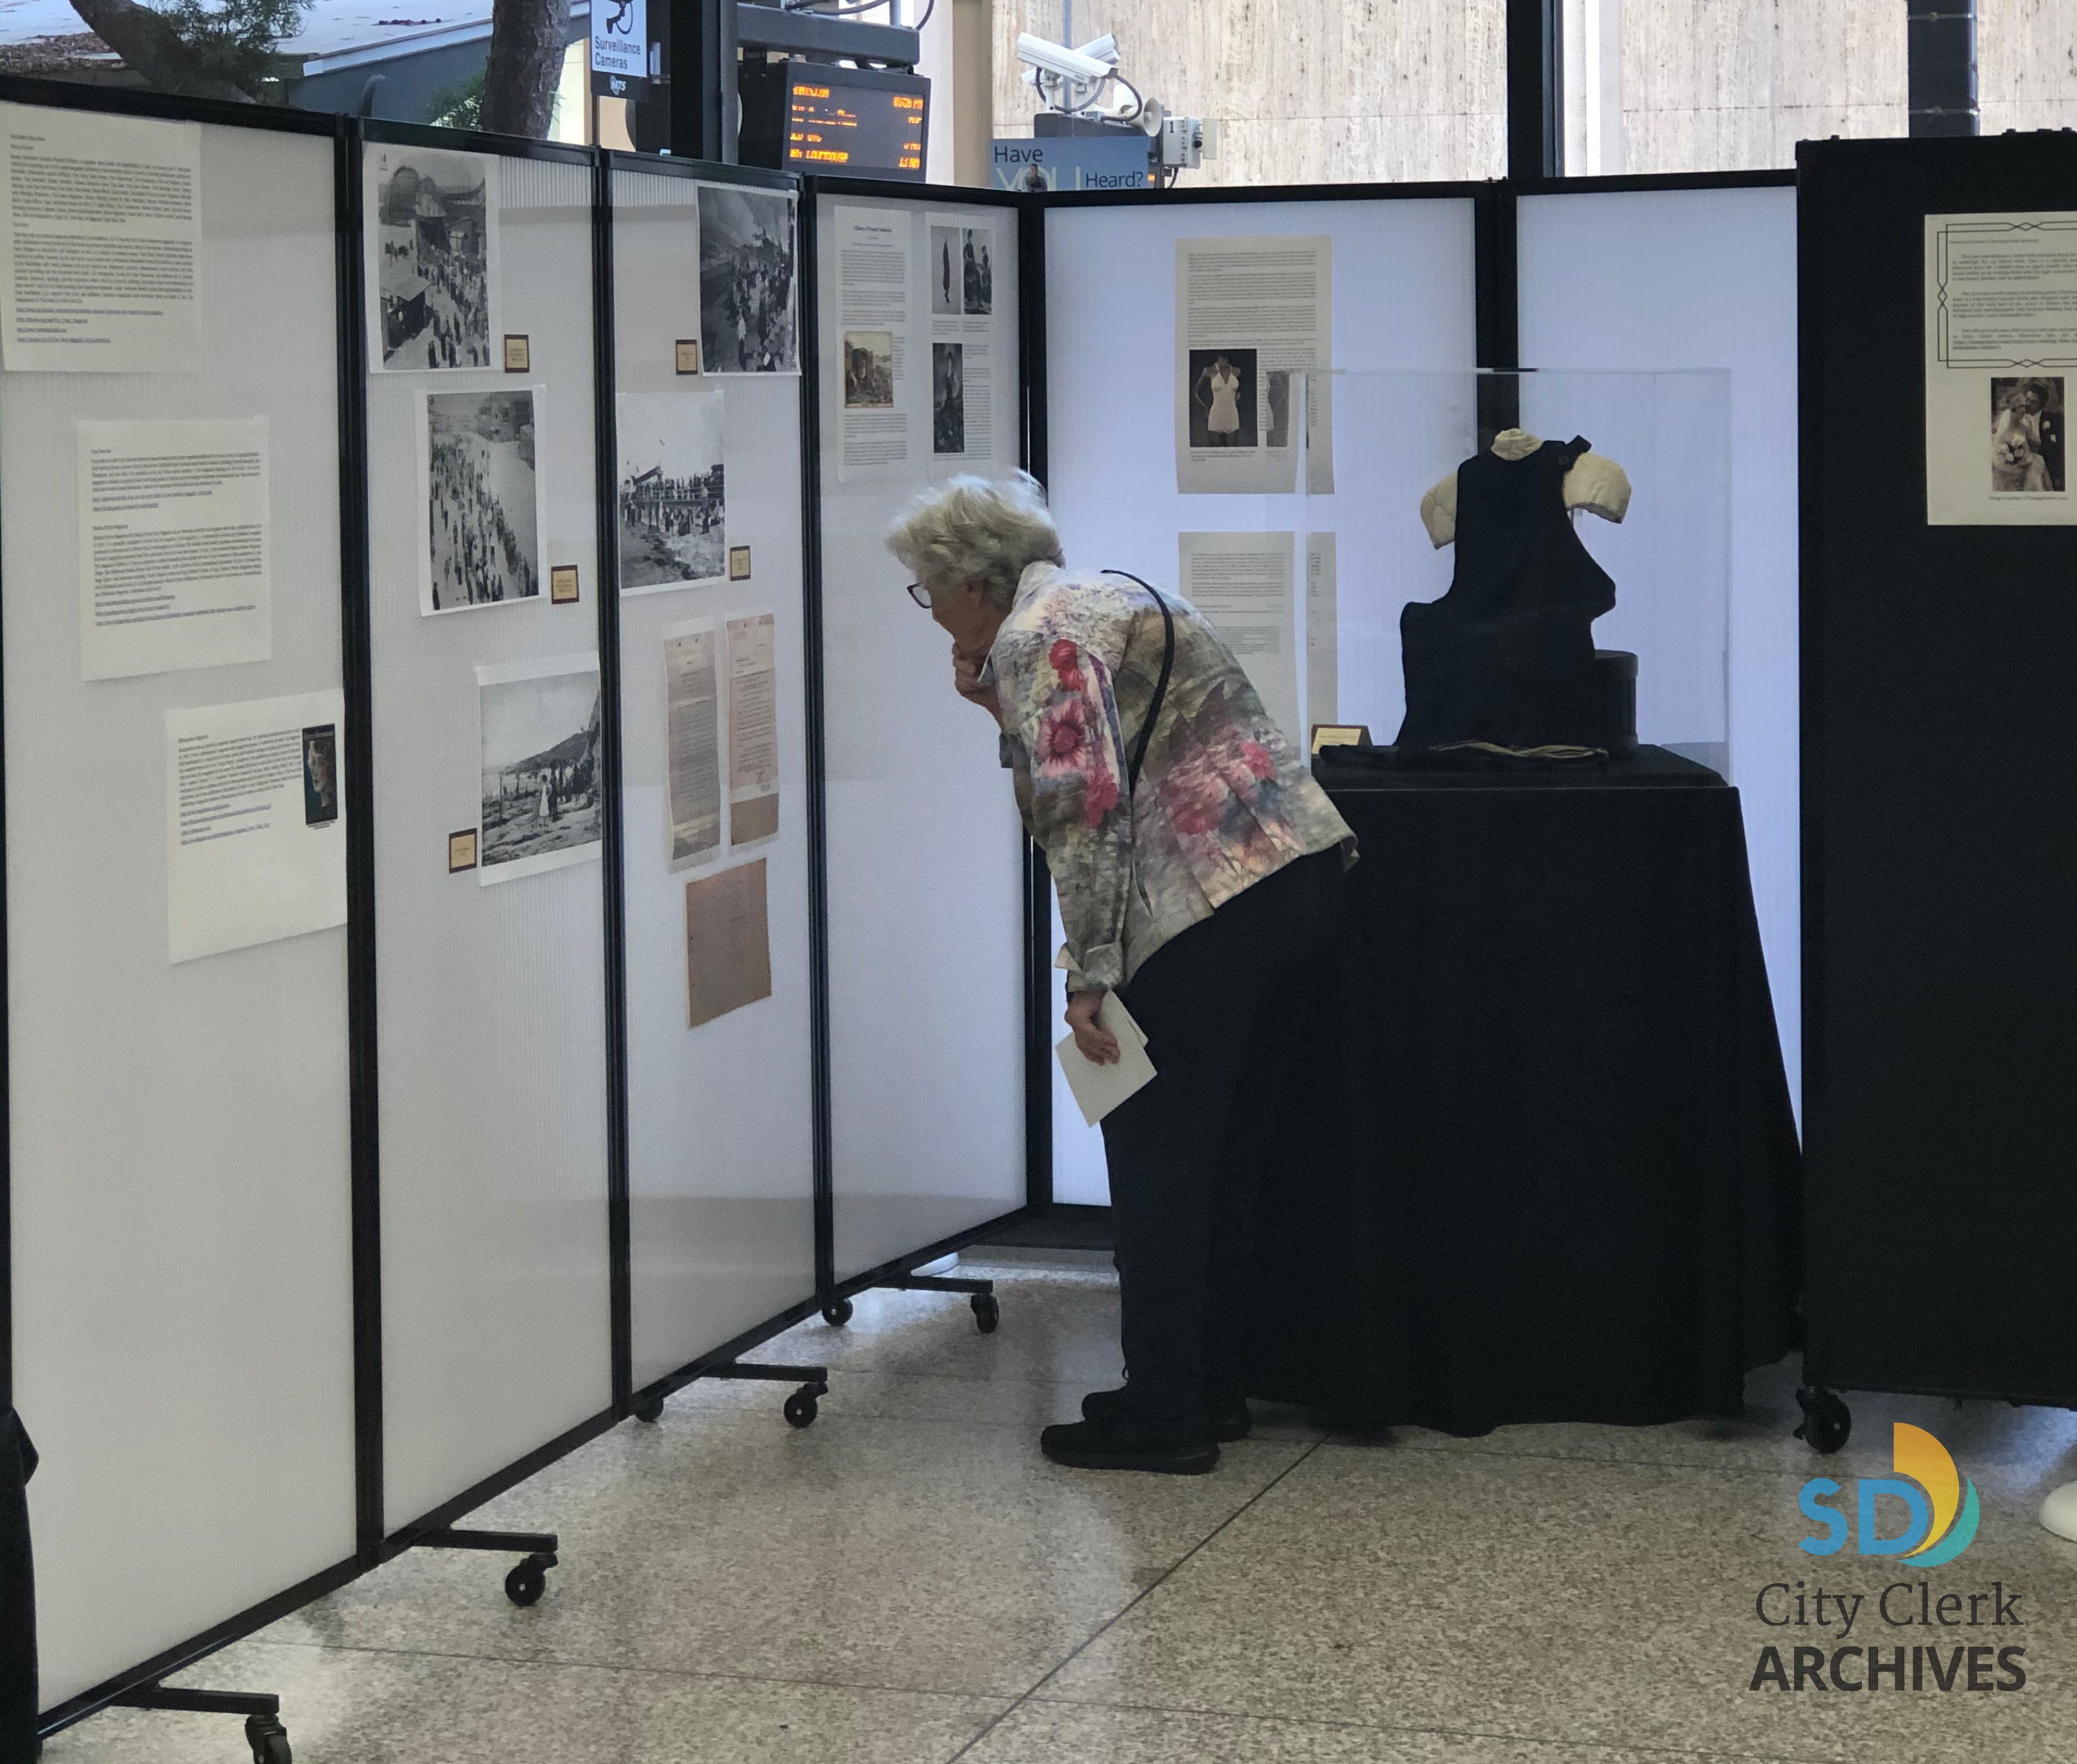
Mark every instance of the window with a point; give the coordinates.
(1709, 86)
(2026, 65)
(1305, 91)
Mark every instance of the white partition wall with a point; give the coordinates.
(925, 852)
(178, 1149)
(1672, 280)
(721, 1148)
(1402, 297)
(491, 994)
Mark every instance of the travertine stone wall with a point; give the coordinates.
(2026, 64)
(1733, 85)
(1339, 91)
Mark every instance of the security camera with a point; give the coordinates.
(1103, 48)
(1057, 58)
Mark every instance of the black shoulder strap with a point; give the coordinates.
(1160, 685)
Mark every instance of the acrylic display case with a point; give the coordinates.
(1393, 436)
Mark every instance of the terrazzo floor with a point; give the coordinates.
(908, 1582)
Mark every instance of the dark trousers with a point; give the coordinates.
(1221, 1005)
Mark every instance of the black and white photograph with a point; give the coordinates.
(2026, 436)
(977, 271)
(746, 281)
(482, 496)
(320, 774)
(1276, 394)
(433, 236)
(947, 271)
(1222, 411)
(948, 398)
(868, 370)
(540, 723)
(673, 502)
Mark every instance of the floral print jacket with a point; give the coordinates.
(1223, 800)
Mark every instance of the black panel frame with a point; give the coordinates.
(627, 1398)
(356, 652)
(58, 94)
(386, 1544)
(1038, 877)
(1038, 1128)
(606, 454)
(807, 289)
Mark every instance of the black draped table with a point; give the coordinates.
(1539, 1161)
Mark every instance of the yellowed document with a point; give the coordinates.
(753, 728)
(728, 945)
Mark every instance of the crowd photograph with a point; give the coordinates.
(482, 511)
(747, 282)
(434, 221)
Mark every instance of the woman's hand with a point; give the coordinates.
(967, 682)
(1094, 1043)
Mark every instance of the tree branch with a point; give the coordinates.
(151, 45)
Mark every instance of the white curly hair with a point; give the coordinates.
(977, 529)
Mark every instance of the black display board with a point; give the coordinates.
(1939, 866)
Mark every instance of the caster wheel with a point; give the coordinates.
(268, 1739)
(800, 1407)
(987, 1312)
(651, 1412)
(1827, 1421)
(526, 1583)
(837, 1315)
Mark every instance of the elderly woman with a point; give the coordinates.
(1197, 862)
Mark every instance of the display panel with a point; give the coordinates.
(1940, 1023)
(179, 1155)
(1706, 279)
(925, 874)
(721, 1157)
(491, 983)
(1125, 370)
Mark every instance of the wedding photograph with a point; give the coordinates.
(2026, 436)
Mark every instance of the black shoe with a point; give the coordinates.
(1120, 1444)
(1229, 1418)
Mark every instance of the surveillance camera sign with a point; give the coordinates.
(619, 47)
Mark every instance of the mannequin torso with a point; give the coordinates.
(1595, 483)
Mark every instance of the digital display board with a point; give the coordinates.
(863, 121)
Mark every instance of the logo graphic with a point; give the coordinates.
(1943, 1505)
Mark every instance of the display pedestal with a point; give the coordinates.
(1541, 1162)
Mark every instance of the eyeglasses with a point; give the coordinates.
(920, 595)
